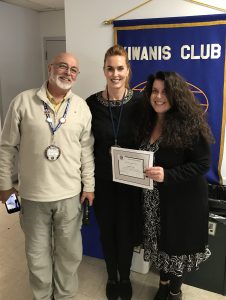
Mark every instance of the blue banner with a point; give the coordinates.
(195, 48)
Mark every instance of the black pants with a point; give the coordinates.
(117, 208)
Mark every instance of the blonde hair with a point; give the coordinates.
(119, 50)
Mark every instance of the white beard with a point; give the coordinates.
(63, 85)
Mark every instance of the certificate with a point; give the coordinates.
(128, 166)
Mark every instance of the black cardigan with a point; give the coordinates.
(184, 198)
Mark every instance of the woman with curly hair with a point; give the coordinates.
(176, 210)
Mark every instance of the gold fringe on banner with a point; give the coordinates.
(206, 5)
(110, 21)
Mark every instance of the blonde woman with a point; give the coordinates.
(115, 119)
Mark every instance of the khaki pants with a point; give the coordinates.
(53, 246)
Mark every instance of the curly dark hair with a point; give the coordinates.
(184, 121)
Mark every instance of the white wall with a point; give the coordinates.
(88, 38)
(20, 53)
(52, 24)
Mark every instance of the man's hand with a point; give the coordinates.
(89, 196)
(4, 195)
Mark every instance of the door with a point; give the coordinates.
(53, 46)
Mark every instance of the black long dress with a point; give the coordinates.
(117, 206)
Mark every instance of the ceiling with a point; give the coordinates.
(51, 5)
(38, 5)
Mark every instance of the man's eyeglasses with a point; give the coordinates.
(65, 67)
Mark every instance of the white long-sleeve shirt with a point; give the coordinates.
(25, 130)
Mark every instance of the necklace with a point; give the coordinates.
(52, 152)
(115, 128)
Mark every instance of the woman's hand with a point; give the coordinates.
(155, 173)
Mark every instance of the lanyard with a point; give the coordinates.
(115, 128)
(49, 120)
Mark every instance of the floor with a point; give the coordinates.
(92, 275)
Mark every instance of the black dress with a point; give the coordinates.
(176, 211)
(117, 206)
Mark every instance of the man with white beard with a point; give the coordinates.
(50, 128)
